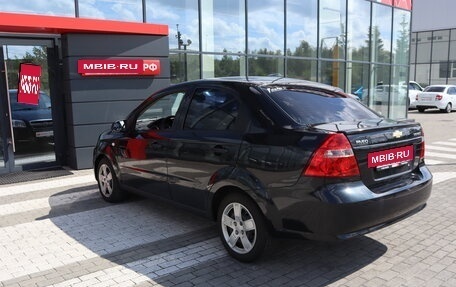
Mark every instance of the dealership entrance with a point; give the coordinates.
(27, 132)
(74, 106)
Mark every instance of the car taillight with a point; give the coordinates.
(334, 158)
(422, 147)
(438, 97)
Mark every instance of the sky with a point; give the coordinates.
(224, 29)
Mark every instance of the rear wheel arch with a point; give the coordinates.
(219, 195)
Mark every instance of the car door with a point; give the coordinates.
(142, 154)
(207, 143)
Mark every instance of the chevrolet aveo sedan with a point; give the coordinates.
(264, 156)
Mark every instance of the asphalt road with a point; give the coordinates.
(436, 125)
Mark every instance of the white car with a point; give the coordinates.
(413, 89)
(442, 97)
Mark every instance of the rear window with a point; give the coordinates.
(309, 108)
(435, 89)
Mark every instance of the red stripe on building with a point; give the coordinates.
(27, 23)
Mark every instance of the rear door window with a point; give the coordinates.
(212, 109)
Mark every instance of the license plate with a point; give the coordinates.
(390, 156)
(426, 98)
(44, 134)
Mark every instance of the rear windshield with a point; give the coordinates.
(435, 89)
(310, 108)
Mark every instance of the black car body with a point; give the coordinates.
(264, 155)
(32, 123)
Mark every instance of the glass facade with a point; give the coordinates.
(433, 57)
(356, 45)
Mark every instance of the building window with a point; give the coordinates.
(266, 27)
(49, 7)
(223, 26)
(182, 18)
(125, 10)
(302, 28)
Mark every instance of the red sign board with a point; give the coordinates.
(118, 67)
(404, 4)
(29, 84)
(390, 156)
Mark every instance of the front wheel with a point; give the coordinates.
(108, 183)
(242, 227)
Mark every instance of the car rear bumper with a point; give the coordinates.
(431, 105)
(345, 210)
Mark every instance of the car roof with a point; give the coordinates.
(269, 81)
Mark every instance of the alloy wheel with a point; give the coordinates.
(105, 180)
(239, 228)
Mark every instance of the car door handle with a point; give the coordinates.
(219, 150)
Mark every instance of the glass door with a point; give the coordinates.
(27, 128)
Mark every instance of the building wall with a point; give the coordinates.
(433, 57)
(93, 103)
(433, 15)
(353, 44)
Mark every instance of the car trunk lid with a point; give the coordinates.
(387, 151)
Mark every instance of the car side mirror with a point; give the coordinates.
(118, 126)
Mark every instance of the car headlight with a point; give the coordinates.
(18, 124)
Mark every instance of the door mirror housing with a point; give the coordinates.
(118, 126)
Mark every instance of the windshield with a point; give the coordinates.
(310, 108)
(44, 102)
(436, 89)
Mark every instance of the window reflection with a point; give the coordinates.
(126, 10)
(332, 29)
(381, 33)
(49, 7)
(357, 30)
(333, 73)
(302, 28)
(223, 26)
(358, 80)
(266, 66)
(302, 69)
(183, 13)
(184, 67)
(266, 27)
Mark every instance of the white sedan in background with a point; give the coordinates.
(442, 97)
(413, 88)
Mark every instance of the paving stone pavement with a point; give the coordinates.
(58, 232)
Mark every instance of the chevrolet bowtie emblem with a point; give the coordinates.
(397, 134)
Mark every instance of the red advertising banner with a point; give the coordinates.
(29, 84)
(404, 4)
(118, 67)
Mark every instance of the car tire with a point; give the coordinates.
(242, 227)
(448, 108)
(108, 183)
(421, 110)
